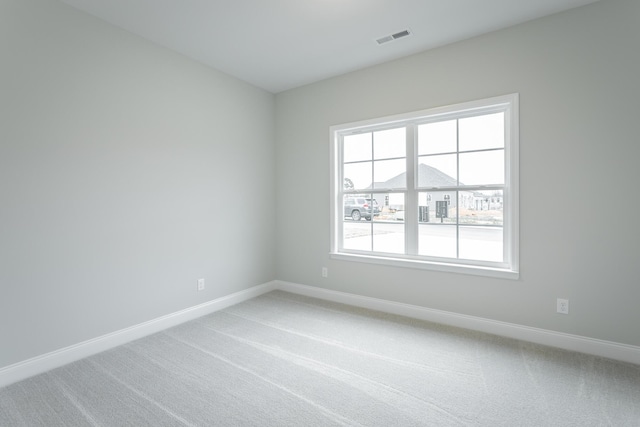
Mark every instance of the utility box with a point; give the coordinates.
(423, 214)
(442, 209)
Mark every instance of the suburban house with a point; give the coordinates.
(472, 200)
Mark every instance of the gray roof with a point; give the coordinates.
(427, 176)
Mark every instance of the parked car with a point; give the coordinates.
(359, 207)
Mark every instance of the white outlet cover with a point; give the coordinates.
(325, 272)
(200, 284)
(563, 306)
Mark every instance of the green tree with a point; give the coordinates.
(348, 184)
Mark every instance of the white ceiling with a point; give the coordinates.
(282, 44)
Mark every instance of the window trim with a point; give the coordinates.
(507, 103)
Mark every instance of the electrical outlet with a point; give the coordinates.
(201, 284)
(325, 272)
(563, 306)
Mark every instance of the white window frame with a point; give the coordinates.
(510, 267)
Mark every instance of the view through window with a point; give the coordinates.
(435, 188)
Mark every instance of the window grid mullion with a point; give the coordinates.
(370, 195)
(411, 227)
(339, 201)
(458, 186)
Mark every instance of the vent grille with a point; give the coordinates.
(392, 37)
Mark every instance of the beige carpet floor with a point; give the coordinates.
(287, 360)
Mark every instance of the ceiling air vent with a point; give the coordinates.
(393, 37)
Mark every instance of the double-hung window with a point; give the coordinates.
(434, 189)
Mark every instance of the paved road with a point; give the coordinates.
(481, 243)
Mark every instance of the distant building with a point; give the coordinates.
(431, 177)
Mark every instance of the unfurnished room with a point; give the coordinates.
(319, 212)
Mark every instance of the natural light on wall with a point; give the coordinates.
(434, 189)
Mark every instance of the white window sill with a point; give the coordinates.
(429, 265)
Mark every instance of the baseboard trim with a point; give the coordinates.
(596, 347)
(39, 364)
(43, 363)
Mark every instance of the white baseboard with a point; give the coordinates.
(57, 358)
(608, 349)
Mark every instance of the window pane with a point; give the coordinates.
(482, 168)
(482, 132)
(359, 174)
(481, 243)
(388, 237)
(437, 240)
(357, 147)
(396, 206)
(481, 207)
(357, 235)
(437, 207)
(439, 137)
(388, 227)
(389, 144)
(391, 207)
(437, 171)
(390, 173)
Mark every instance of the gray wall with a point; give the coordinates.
(127, 172)
(577, 74)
